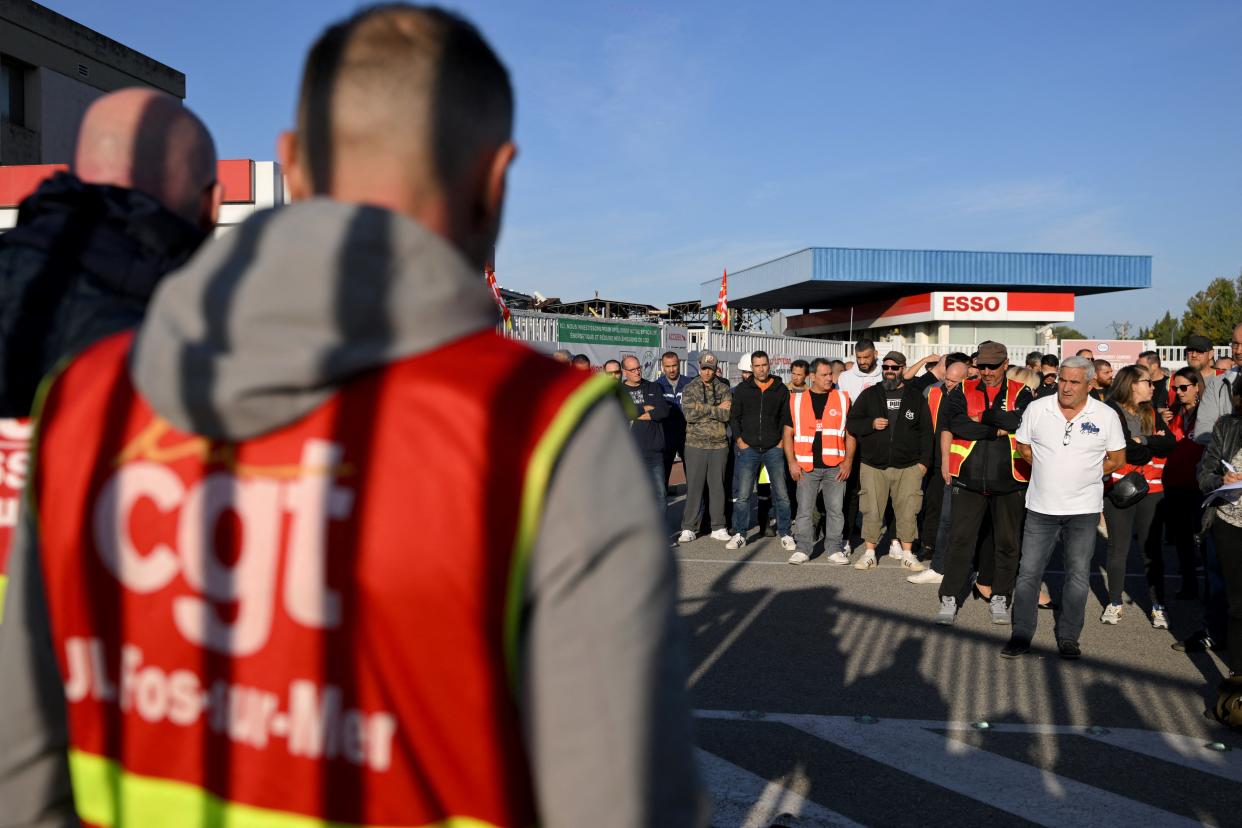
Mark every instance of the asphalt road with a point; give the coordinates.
(826, 696)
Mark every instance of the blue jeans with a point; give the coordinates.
(654, 461)
(745, 473)
(810, 485)
(1039, 538)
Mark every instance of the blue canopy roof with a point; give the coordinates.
(826, 277)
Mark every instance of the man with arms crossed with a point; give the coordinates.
(1072, 441)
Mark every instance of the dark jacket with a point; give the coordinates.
(759, 417)
(81, 264)
(675, 422)
(908, 438)
(1141, 453)
(1226, 440)
(989, 468)
(648, 434)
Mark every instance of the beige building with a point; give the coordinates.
(51, 69)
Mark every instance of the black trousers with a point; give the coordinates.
(1229, 550)
(1183, 515)
(969, 508)
(933, 500)
(850, 504)
(1125, 525)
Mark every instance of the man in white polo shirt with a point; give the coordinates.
(1072, 441)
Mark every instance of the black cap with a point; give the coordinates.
(1199, 343)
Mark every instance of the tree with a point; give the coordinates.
(1121, 330)
(1167, 331)
(1066, 332)
(1213, 311)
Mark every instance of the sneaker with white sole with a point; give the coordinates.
(736, 542)
(1111, 614)
(867, 561)
(845, 547)
(1158, 619)
(799, 558)
(928, 576)
(788, 544)
(686, 536)
(838, 559)
(894, 549)
(721, 535)
(999, 608)
(948, 610)
(908, 561)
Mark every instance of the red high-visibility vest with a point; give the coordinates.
(1152, 471)
(317, 624)
(976, 404)
(934, 395)
(831, 428)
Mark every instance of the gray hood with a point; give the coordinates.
(262, 325)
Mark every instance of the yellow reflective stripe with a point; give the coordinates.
(534, 491)
(962, 450)
(105, 794)
(4, 585)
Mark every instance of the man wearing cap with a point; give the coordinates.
(989, 477)
(894, 432)
(706, 403)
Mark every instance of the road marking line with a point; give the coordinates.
(1033, 793)
(746, 800)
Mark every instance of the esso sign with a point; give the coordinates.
(970, 305)
(992, 304)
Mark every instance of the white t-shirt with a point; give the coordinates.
(1068, 455)
(854, 382)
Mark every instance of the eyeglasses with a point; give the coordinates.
(614, 373)
(1149, 382)
(988, 366)
(1185, 387)
(1068, 433)
(891, 367)
(635, 368)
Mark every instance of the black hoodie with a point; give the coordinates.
(907, 439)
(81, 264)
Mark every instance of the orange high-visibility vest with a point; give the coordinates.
(976, 404)
(305, 627)
(831, 428)
(934, 396)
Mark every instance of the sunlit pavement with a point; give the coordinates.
(826, 696)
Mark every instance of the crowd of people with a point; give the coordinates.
(975, 470)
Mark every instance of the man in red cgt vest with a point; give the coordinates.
(281, 567)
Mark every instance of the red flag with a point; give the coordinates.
(490, 275)
(722, 304)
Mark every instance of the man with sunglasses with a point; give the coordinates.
(894, 432)
(1071, 442)
(989, 478)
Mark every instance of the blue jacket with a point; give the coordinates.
(675, 422)
(648, 434)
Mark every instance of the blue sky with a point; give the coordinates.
(662, 142)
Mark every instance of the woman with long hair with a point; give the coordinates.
(1147, 443)
(1181, 505)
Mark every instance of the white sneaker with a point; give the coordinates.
(736, 542)
(838, 559)
(721, 535)
(928, 576)
(799, 558)
(787, 543)
(867, 561)
(845, 547)
(1111, 614)
(1159, 620)
(908, 561)
(686, 536)
(894, 549)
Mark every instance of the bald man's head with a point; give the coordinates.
(406, 107)
(147, 141)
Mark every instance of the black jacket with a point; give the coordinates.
(989, 468)
(908, 438)
(1226, 440)
(81, 264)
(759, 417)
(648, 434)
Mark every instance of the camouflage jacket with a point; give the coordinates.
(706, 421)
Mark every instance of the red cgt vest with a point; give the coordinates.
(14, 459)
(318, 624)
(831, 428)
(976, 404)
(934, 396)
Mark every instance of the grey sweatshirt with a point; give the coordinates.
(261, 327)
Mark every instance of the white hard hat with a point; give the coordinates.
(743, 362)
